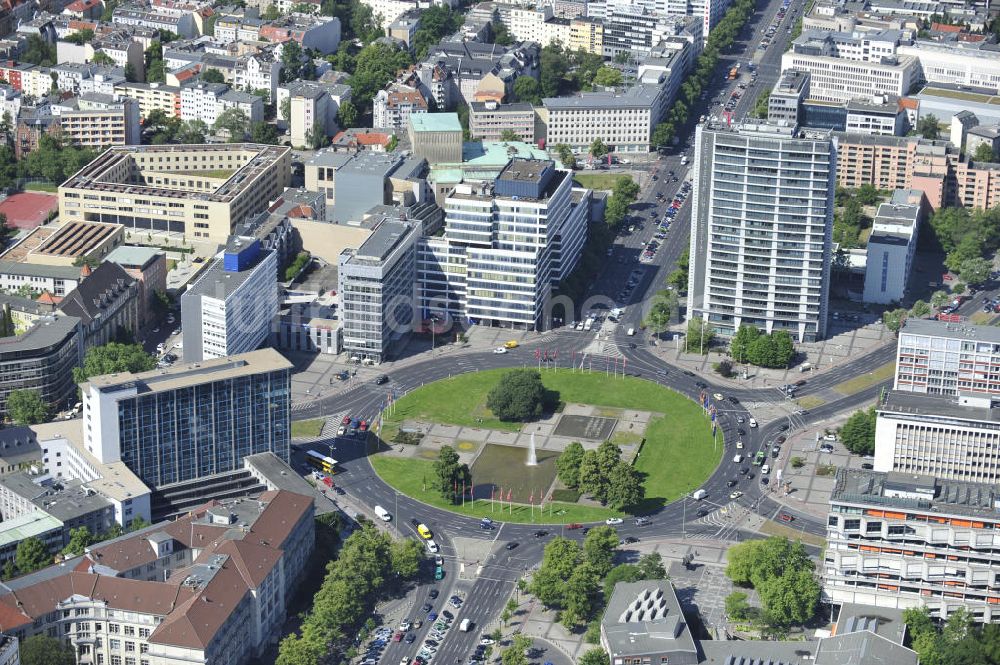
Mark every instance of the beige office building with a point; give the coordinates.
(199, 191)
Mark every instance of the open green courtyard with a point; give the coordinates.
(677, 456)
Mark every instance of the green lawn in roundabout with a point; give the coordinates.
(677, 457)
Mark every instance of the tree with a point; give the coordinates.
(31, 555)
(739, 345)
(316, 136)
(271, 13)
(449, 473)
(940, 298)
(509, 135)
(405, 556)
(45, 650)
(568, 464)
(26, 407)
(376, 65)
(211, 75)
(436, 22)
(518, 396)
(928, 126)
(113, 358)
(858, 433)
(39, 52)
(608, 77)
(565, 155)
(264, 133)
(526, 89)
(651, 567)
(774, 350)
(791, 598)
(699, 336)
(599, 547)
(754, 561)
(79, 539)
(191, 132)
(553, 65)
(663, 134)
(234, 123)
(595, 657)
(514, 654)
(658, 319)
(737, 606)
(155, 69)
(138, 523)
(984, 153)
(581, 596)
(295, 650)
(291, 60)
(976, 270)
(678, 279)
(347, 114)
(598, 149)
(760, 107)
(893, 319)
(501, 35)
(103, 59)
(920, 309)
(624, 572)
(560, 558)
(625, 487)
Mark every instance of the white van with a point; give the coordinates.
(588, 325)
(383, 514)
(699, 495)
(465, 626)
(684, 159)
(631, 332)
(766, 469)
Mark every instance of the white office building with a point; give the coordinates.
(959, 63)
(940, 358)
(624, 122)
(505, 245)
(891, 247)
(377, 283)
(230, 308)
(761, 229)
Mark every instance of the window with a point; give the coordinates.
(115, 644)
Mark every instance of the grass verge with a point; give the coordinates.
(307, 429)
(409, 476)
(676, 458)
(774, 529)
(859, 383)
(810, 401)
(599, 180)
(41, 187)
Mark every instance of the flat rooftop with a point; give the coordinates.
(923, 493)
(217, 282)
(34, 524)
(77, 239)
(933, 328)
(131, 256)
(66, 500)
(918, 404)
(183, 375)
(435, 122)
(386, 237)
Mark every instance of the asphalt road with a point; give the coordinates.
(496, 576)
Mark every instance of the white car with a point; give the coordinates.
(499, 349)
(739, 445)
(433, 547)
(737, 459)
(766, 469)
(611, 521)
(753, 422)
(718, 397)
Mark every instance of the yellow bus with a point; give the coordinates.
(322, 463)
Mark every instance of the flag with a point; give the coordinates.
(531, 497)
(510, 494)
(463, 486)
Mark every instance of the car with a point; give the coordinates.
(718, 397)
(448, 615)
(432, 616)
(701, 385)
(433, 595)
(785, 517)
(830, 437)
(382, 380)
(702, 512)
(732, 482)
(424, 532)
(783, 428)
(628, 541)
(735, 495)
(688, 372)
(744, 470)
(499, 350)
(511, 545)
(740, 419)
(611, 521)
(741, 431)
(432, 547)
(826, 448)
(438, 573)
(642, 521)
(345, 421)
(404, 625)
(398, 637)
(486, 641)
(410, 638)
(737, 459)
(753, 422)
(733, 400)
(363, 426)
(867, 466)
(763, 481)
(781, 439)
(775, 451)
(739, 444)
(541, 533)
(573, 526)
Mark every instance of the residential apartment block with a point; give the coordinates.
(891, 248)
(955, 359)
(159, 187)
(392, 106)
(192, 421)
(377, 289)
(207, 101)
(900, 540)
(623, 121)
(505, 245)
(228, 310)
(488, 121)
(761, 229)
(211, 587)
(98, 121)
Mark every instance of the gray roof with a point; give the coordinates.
(329, 158)
(19, 445)
(885, 621)
(638, 96)
(39, 270)
(47, 332)
(281, 476)
(898, 401)
(220, 283)
(934, 328)
(515, 107)
(646, 618)
(89, 299)
(912, 492)
(66, 500)
(384, 240)
(862, 648)
(134, 256)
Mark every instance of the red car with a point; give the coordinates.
(574, 525)
(785, 517)
(398, 637)
(346, 421)
(364, 426)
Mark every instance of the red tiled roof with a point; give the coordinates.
(909, 103)
(945, 27)
(82, 5)
(28, 209)
(75, 25)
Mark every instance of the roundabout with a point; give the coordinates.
(663, 434)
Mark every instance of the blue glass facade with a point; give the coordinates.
(188, 433)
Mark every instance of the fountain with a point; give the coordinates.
(532, 458)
